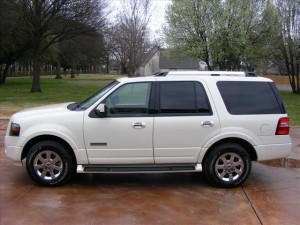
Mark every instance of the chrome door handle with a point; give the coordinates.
(207, 123)
(139, 125)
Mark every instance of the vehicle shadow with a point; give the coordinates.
(141, 180)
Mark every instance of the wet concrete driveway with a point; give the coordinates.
(271, 195)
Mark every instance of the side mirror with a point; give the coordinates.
(101, 110)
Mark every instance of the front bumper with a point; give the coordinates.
(13, 148)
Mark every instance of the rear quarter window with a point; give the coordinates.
(247, 98)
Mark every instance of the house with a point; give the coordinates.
(151, 63)
(157, 60)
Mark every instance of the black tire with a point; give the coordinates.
(49, 163)
(227, 165)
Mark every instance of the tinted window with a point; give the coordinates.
(202, 100)
(243, 98)
(180, 97)
(92, 99)
(129, 99)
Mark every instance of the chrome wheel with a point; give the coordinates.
(48, 165)
(229, 167)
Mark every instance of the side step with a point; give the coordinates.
(138, 169)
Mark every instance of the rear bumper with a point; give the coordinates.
(275, 151)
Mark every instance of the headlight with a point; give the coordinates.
(14, 129)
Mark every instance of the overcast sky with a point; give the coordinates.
(158, 14)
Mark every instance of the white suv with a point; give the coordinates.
(192, 121)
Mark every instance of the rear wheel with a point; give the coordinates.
(49, 163)
(227, 165)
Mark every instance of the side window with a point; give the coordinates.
(183, 97)
(132, 98)
(246, 98)
(203, 105)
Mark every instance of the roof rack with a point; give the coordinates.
(205, 73)
(160, 74)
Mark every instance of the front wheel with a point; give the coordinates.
(227, 165)
(49, 164)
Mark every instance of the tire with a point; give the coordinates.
(49, 164)
(227, 165)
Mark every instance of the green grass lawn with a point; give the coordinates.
(15, 93)
(292, 105)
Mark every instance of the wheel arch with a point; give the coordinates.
(245, 144)
(40, 138)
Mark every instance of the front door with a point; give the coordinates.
(125, 135)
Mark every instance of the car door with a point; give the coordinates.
(124, 136)
(186, 120)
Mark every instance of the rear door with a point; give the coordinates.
(185, 121)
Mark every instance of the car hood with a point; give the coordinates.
(42, 110)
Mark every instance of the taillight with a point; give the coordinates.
(283, 126)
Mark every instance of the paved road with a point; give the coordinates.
(269, 196)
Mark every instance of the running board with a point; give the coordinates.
(138, 169)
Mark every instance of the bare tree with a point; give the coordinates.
(130, 34)
(81, 53)
(45, 22)
(117, 45)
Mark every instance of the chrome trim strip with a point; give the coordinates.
(98, 144)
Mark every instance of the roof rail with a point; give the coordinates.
(250, 74)
(160, 74)
(209, 73)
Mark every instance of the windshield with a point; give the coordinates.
(95, 97)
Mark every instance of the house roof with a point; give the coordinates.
(150, 55)
(167, 63)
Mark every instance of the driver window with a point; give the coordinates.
(130, 98)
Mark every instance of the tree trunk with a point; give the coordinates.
(1, 67)
(72, 68)
(4, 74)
(297, 85)
(58, 70)
(36, 86)
(123, 68)
(297, 78)
(130, 74)
(107, 64)
(292, 82)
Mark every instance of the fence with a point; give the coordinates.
(278, 79)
